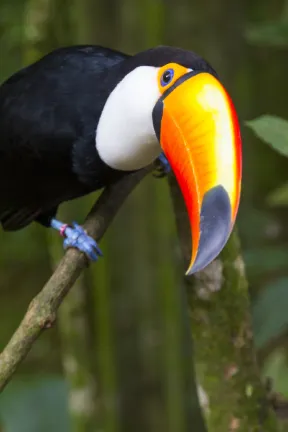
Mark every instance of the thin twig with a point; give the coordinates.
(41, 313)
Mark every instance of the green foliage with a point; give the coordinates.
(270, 316)
(273, 34)
(131, 280)
(253, 232)
(276, 369)
(270, 33)
(38, 404)
(272, 130)
(272, 258)
(279, 197)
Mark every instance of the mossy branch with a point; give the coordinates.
(42, 311)
(224, 353)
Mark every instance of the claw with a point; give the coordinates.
(78, 238)
(162, 166)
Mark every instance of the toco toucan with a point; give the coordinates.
(82, 116)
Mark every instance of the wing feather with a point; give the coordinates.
(45, 109)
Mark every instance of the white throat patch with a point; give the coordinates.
(125, 137)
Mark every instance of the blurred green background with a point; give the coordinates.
(131, 298)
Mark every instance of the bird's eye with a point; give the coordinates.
(167, 77)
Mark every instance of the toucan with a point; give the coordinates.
(81, 117)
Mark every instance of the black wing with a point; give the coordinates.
(44, 110)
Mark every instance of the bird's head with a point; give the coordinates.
(171, 100)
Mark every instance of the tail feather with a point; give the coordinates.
(15, 219)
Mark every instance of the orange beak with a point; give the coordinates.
(198, 130)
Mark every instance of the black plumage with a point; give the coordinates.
(49, 113)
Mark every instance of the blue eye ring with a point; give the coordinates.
(167, 77)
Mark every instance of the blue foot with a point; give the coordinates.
(77, 237)
(162, 166)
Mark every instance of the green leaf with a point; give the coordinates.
(259, 221)
(274, 34)
(272, 130)
(270, 317)
(279, 197)
(262, 260)
(276, 368)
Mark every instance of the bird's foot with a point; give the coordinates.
(76, 237)
(162, 166)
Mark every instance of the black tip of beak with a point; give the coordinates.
(215, 226)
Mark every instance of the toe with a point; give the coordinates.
(90, 252)
(91, 244)
(97, 248)
(79, 239)
(78, 228)
(91, 248)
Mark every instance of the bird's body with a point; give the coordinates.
(83, 116)
(49, 113)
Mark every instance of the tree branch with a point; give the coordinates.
(75, 322)
(41, 313)
(220, 320)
